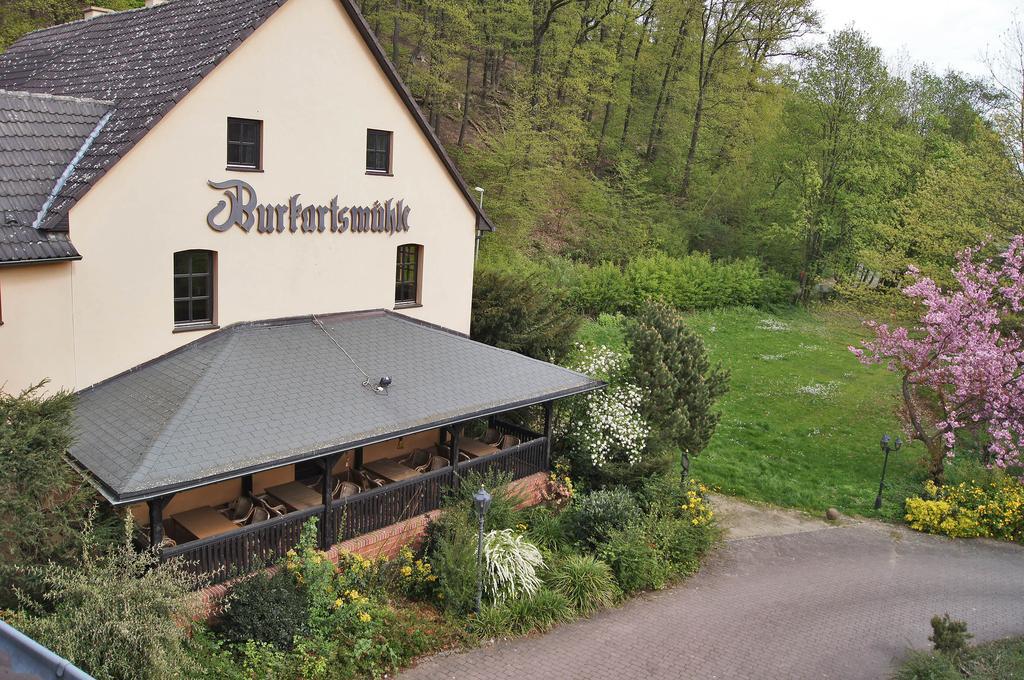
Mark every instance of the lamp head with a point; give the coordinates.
(885, 442)
(897, 444)
(481, 501)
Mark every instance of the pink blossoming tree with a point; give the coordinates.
(962, 364)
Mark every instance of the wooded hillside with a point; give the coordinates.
(603, 129)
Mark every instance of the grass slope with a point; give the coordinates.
(801, 424)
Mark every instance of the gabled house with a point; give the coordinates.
(228, 227)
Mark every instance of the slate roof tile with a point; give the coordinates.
(39, 137)
(141, 434)
(144, 61)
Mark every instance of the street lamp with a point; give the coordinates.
(886, 447)
(481, 501)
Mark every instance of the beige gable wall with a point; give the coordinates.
(310, 77)
(36, 335)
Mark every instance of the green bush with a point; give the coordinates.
(634, 560)
(538, 613)
(608, 330)
(44, 503)
(680, 542)
(696, 282)
(267, 609)
(515, 311)
(585, 581)
(453, 556)
(594, 517)
(600, 289)
(546, 528)
(120, 614)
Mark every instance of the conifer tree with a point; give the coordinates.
(680, 386)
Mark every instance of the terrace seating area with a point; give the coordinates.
(254, 529)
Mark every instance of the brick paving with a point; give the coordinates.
(841, 602)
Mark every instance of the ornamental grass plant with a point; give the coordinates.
(586, 582)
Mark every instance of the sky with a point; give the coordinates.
(944, 33)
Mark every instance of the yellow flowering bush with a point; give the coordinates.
(970, 510)
(695, 505)
(415, 576)
(559, 490)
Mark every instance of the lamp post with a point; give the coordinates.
(886, 447)
(481, 501)
(476, 243)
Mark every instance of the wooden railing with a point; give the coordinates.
(519, 461)
(258, 545)
(371, 510)
(243, 551)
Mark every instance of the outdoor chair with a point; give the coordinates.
(492, 437)
(259, 514)
(417, 459)
(272, 509)
(348, 489)
(508, 441)
(464, 457)
(240, 510)
(438, 462)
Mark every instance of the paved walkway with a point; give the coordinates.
(824, 602)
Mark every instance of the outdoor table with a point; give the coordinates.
(204, 522)
(296, 495)
(389, 469)
(477, 448)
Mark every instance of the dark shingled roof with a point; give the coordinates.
(40, 135)
(259, 395)
(145, 61)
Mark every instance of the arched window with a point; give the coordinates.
(409, 267)
(193, 287)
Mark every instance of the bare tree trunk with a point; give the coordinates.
(396, 33)
(669, 66)
(633, 81)
(466, 99)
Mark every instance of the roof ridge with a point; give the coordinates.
(58, 97)
(159, 441)
(101, 17)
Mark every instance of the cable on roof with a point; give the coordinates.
(381, 387)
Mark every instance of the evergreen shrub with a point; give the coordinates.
(596, 516)
(268, 609)
(635, 561)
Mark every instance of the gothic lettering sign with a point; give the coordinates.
(241, 208)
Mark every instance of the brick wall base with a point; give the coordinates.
(387, 541)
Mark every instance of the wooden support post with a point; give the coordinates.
(156, 520)
(358, 462)
(454, 452)
(327, 498)
(548, 409)
(247, 485)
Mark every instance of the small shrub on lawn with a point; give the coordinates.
(949, 636)
(266, 609)
(585, 581)
(510, 564)
(595, 517)
(635, 560)
(537, 613)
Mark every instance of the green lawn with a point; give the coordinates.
(802, 421)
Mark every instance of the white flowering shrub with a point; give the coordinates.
(512, 564)
(606, 425)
